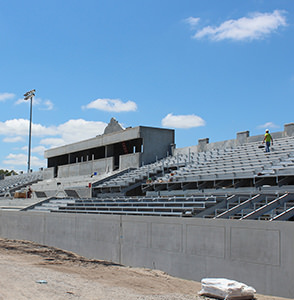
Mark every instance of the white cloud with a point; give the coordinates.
(21, 160)
(38, 102)
(14, 139)
(69, 132)
(182, 121)
(268, 125)
(66, 133)
(53, 142)
(73, 131)
(113, 105)
(77, 130)
(6, 96)
(255, 26)
(20, 127)
(47, 105)
(39, 150)
(20, 101)
(193, 22)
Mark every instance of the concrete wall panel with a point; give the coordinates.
(258, 253)
(156, 143)
(98, 238)
(135, 234)
(127, 160)
(165, 236)
(100, 166)
(20, 226)
(85, 168)
(267, 241)
(60, 231)
(206, 241)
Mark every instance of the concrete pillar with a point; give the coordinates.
(242, 137)
(202, 144)
(109, 151)
(172, 149)
(289, 129)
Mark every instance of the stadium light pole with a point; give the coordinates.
(27, 96)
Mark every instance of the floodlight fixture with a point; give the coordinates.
(27, 96)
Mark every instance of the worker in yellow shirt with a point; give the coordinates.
(267, 139)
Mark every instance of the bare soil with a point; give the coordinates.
(32, 271)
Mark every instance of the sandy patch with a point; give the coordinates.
(32, 271)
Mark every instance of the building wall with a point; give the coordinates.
(100, 166)
(157, 143)
(258, 253)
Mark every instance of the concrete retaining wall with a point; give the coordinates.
(260, 254)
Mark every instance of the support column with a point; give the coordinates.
(289, 129)
(202, 144)
(242, 137)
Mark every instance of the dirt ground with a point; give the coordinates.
(32, 271)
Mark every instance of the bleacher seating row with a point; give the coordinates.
(243, 206)
(234, 164)
(11, 183)
(238, 183)
(229, 167)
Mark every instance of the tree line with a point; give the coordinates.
(6, 173)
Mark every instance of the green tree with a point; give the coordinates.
(7, 173)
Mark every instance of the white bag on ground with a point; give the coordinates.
(226, 289)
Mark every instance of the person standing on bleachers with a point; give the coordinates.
(267, 139)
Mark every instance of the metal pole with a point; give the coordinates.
(30, 135)
(27, 96)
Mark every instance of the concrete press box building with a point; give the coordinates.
(115, 149)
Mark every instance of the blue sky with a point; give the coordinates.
(204, 68)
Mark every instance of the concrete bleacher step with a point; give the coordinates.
(141, 205)
(112, 212)
(49, 205)
(169, 207)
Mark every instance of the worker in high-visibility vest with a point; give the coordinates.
(267, 139)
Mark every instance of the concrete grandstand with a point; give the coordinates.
(130, 196)
(230, 179)
(138, 171)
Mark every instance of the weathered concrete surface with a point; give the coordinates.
(258, 253)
